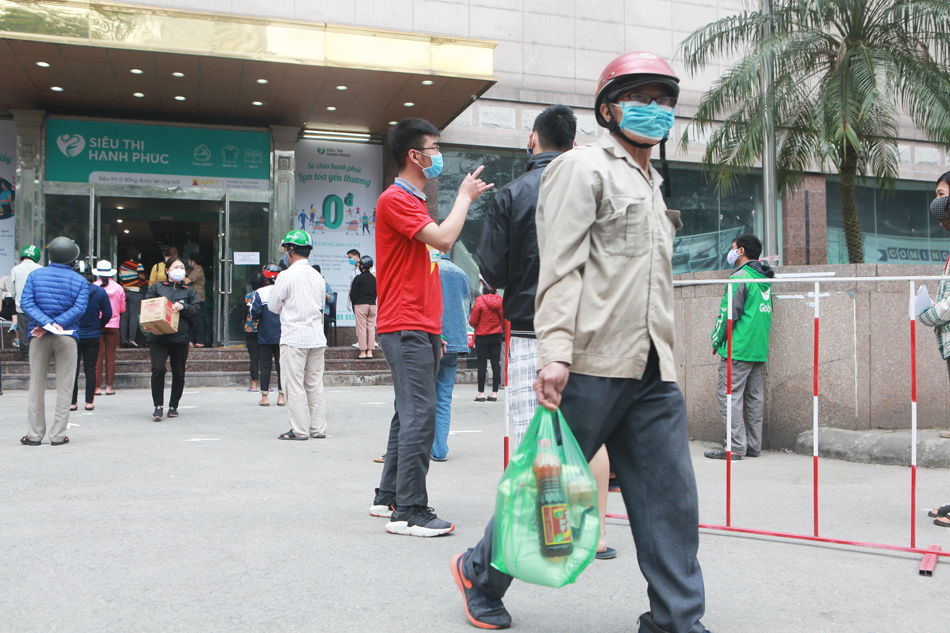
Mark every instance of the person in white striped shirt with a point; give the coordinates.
(298, 297)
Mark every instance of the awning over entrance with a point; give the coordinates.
(109, 60)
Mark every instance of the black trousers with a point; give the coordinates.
(23, 334)
(177, 355)
(270, 359)
(643, 424)
(87, 354)
(488, 348)
(254, 350)
(197, 333)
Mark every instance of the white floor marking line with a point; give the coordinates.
(191, 406)
(70, 425)
(375, 403)
(460, 432)
(204, 439)
(338, 391)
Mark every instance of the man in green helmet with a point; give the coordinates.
(29, 258)
(298, 296)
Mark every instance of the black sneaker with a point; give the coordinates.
(482, 611)
(172, 412)
(157, 414)
(648, 626)
(417, 521)
(383, 504)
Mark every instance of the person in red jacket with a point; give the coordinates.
(488, 319)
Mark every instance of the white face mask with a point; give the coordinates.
(177, 274)
(733, 257)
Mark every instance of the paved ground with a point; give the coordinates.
(209, 523)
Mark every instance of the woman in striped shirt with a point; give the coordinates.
(132, 279)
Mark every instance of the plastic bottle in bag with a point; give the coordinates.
(555, 529)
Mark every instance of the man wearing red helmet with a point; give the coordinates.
(604, 322)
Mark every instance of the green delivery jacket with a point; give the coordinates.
(751, 315)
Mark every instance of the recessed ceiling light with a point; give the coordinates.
(331, 108)
(409, 104)
(393, 122)
(136, 71)
(42, 64)
(179, 98)
(120, 208)
(262, 81)
(119, 220)
(138, 94)
(126, 231)
(257, 103)
(341, 87)
(178, 74)
(427, 82)
(56, 89)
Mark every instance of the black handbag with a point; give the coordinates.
(8, 309)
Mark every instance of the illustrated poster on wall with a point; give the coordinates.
(337, 185)
(7, 197)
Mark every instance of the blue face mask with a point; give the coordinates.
(436, 168)
(352, 261)
(530, 151)
(651, 122)
(287, 260)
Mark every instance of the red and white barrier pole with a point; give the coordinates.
(729, 292)
(507, 389)
(913, 417)
(815, 414)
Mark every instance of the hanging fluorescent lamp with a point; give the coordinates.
(345, 137)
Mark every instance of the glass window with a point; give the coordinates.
(896, 225)
(68, 216)
(711, 218)
(501, 167)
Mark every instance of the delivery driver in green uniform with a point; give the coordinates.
(751, 322)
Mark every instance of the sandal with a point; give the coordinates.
(492, 398)
(942, 511)
(279, 397)
(263, 404)
(74, 407)
(26, 441)
(380, 460)
(477, 399)
(90, 407)
(289, 435)
(65, 440)
(110, 392)
(944, 522)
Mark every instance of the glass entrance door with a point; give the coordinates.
(72, 216)
(222, 331)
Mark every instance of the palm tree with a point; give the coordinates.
(842, 72)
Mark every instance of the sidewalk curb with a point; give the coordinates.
(890, 448)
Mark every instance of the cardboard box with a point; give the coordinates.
(157, 316)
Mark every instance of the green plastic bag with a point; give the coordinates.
(552, 542)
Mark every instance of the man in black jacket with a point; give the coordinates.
(508, 255)
(508, 252)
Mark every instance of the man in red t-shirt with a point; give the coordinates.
(409, 320)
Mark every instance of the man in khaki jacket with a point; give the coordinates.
(604, 321)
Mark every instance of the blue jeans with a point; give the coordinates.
(444, 384)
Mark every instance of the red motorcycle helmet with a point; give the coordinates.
(629, 71)
(271, 271)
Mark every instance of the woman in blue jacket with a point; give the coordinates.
(268, 335)
(97, 315)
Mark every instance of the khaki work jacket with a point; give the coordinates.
(606, 284)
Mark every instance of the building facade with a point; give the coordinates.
(217, 125)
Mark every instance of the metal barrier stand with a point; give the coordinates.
(933, 552)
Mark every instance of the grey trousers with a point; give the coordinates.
(413, 357)
(63, 350)
(643, 424)
(23, 334)
(748, 399)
